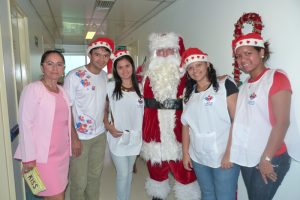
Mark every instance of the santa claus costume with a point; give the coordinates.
(163, 90)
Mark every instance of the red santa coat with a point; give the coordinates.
(162, 129)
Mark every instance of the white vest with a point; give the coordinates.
(127, 113)
(252, 127)
(206, 114)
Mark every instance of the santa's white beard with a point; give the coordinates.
(164, 77)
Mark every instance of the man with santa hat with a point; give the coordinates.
(163, 89)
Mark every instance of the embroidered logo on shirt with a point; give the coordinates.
(80, 73)
(84, 79)
(208, 100)
(252, 98)
(85, 125)
(141, 103)
(85, 83)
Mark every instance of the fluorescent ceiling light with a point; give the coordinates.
(90, 35)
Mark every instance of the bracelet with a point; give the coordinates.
(267, 158)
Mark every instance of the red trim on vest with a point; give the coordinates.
(280, 82)
(282, 150)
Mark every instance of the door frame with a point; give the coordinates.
(7, 183)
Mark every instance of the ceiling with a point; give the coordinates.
(67, 21)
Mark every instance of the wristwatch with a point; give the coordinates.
(267, 158)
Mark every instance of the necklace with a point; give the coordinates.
(50, 87)
(126, 89)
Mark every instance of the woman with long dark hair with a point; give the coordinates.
(123, 120)
(209, 107)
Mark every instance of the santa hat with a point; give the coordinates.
(109, 69)
(166, 40)
(250, 39)
(192, 55)
(101, 42)
(117, 54)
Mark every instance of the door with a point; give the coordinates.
(7, 187)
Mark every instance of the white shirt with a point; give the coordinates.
(207, 116)
(87, 93)
(127, 114)
(252, 127)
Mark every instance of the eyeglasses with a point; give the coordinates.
(52, 64)
(166, 52)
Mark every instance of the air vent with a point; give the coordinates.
(104, 4)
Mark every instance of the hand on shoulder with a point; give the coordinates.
(222, 77)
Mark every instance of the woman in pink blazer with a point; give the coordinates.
(45, 124)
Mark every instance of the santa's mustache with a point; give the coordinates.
(160, 61)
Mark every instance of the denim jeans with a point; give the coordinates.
(256, 187)
(124, 168)
(217, 183)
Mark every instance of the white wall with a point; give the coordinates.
(35, 30)
(209, 25)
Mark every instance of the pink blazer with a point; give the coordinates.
(36, 115)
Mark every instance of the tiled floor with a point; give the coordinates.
(290, 185)
(107, 188)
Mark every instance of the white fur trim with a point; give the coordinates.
(169, 148)
(163, 40)
(187, 191)
(194, 58)
(250, 42)
(153, 151)
(118, 54)
(109, 76)
(182, 71)
(157, 189)
(99, 44)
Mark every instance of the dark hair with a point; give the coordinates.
(117, 93)
(190, 83)
(267, 51)
(47, 53)
(105, 49)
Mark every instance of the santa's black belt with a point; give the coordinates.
(175, 104)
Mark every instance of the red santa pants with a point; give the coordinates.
(159, 172)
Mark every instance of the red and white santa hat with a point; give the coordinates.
(250, 39)
(109, 69)
(166, 40)
(117, 54)
(192, 55)
(101, 42)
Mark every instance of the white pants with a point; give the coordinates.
(124, 168)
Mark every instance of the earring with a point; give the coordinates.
(262, 57)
